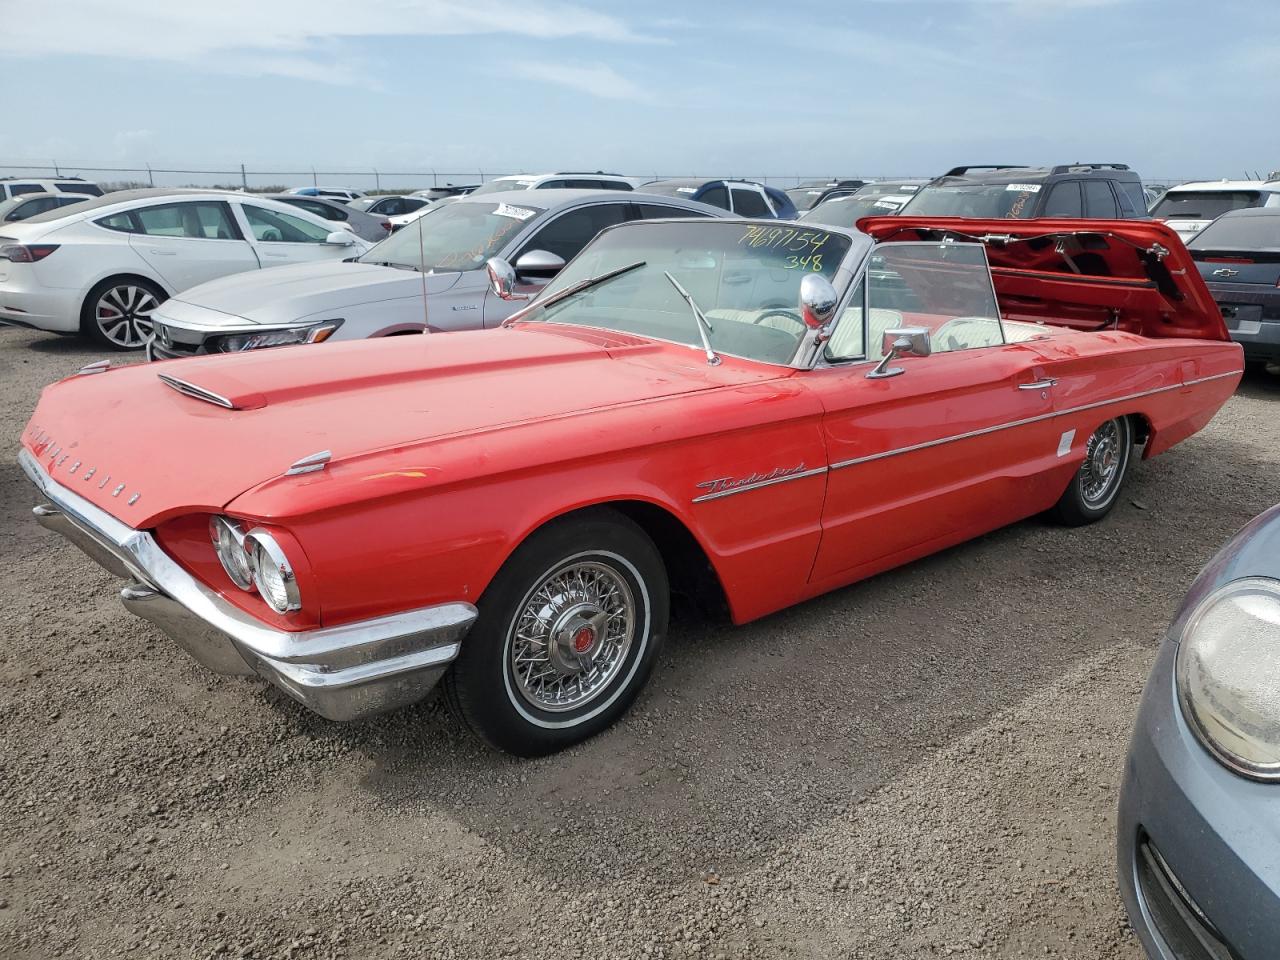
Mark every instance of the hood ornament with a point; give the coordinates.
(309, 464)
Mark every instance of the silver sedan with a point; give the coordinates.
(443, 254)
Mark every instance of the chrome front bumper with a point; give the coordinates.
(345, 672)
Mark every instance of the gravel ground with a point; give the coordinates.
(922, 765)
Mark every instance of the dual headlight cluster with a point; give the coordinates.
(1228, 673)
(255, 562)
(257, 340)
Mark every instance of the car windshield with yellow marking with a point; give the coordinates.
(743, 277)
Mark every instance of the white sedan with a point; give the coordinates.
(101, 267)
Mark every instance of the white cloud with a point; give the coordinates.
(598, 80)
(289, 38)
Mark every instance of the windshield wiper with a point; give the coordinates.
(699, 318)
(578, 287)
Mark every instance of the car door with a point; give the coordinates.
(948, 445)
(564, 234)
(281, 238)
(190, 241)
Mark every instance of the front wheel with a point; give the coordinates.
(567, 635)
(1094, 488)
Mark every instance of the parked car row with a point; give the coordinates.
(103, 265)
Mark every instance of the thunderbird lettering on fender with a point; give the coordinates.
(724, 485)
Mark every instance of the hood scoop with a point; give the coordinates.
(228, 399)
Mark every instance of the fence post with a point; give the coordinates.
(56, 171)
(244, 181)
(435, 178)
(314, 182)
(151, 177)
(377, 183)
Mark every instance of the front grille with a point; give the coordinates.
(1181, 924)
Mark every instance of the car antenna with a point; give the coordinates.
(422, 270)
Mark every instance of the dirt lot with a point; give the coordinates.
(922, 765)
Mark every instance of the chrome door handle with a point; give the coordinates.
(1044, 384)
(163, 253)
(278, 256)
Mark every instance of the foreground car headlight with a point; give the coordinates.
(228, 542)
(235, 342)
(1228, 672)
(272, 572)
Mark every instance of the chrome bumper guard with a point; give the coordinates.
(346, 672)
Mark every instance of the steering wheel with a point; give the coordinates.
(779, 312)
(271, 234)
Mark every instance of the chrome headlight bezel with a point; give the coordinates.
(1195, 710)
(266, 553)
(227, 533)
(245, 340)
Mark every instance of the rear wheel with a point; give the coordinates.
(1094, 488)
(567, 635)
(117, 312)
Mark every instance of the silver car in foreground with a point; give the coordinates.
(432, 275)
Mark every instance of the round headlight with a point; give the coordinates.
(1229, 675)
(228, 543)
(272, 572)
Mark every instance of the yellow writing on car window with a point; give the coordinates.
(783, 238)
(812, 262)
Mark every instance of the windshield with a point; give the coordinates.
(846, 211)
(453, 236)
(744, 277)
(502, 184)
(987, 201)
(1203, 204)
(1240, 232)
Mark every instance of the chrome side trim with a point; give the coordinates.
(1027, 420)
(759, 484)
(198, 392)
(98, 366)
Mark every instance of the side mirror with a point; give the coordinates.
(341, 238)
(902, 342)
(502, 278)
(539, 263)
(817, 301)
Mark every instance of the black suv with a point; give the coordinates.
(1104, 191)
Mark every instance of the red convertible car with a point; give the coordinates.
(763, 410)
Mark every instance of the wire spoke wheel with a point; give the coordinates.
(571, 635)
(123, 315)
(1102, 464)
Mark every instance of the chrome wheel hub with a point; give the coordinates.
(571, 636)
(123, 314)
(1101, 462)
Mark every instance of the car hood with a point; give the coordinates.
(394, 414)
(1133, 275)
(288, 294)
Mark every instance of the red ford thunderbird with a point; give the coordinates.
(763, 410)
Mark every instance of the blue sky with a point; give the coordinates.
(855, 87)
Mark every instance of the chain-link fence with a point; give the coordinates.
(372, 180)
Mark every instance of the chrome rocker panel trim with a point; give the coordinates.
(346, 672)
